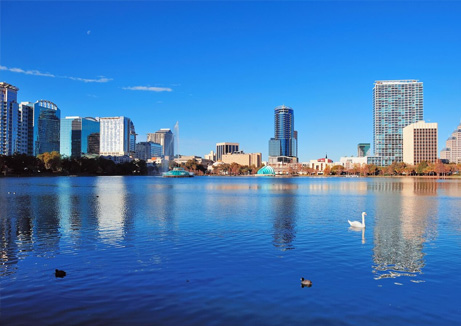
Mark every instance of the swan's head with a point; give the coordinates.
(363, 214)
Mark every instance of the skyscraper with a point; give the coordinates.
(396, 104)
(77, 136)
(47, 122)
(116, 136)
(452, 151)
(165, 138)
(9, 117)
(284, 143)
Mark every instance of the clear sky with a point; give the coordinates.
(220, 68)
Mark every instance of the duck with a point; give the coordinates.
(357, 224)
(305, 283)
(59, 273)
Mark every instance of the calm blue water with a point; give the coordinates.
(229, 251)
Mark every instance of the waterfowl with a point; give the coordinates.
(305, 282)
(357, 224)
(59, 273)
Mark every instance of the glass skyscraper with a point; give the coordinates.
(77, 136)
(396, 104)
(284, 143)
(47, 121)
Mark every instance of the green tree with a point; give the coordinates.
(51, 160)
(421, 167)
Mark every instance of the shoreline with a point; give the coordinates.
(237, 176)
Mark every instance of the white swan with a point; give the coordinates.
(357, 224)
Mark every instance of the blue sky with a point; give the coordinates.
(220, 68)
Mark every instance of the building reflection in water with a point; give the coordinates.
(161, 203)
(284, 207)
(78, 210)
(407, 212)
(112, 209)
(28, 224)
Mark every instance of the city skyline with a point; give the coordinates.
(216, 66)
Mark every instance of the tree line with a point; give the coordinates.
(55, 164)
(52, 163)
(395, 169)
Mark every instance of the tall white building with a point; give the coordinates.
(420, 143)
(452, 151)
(26, 128)
(396, 104)
(9, 119)
(116, 136)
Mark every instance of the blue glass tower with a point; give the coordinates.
(284, 143)
(47, 118)
(77, 136)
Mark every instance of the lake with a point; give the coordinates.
(229, 251)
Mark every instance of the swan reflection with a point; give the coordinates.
(356, 229)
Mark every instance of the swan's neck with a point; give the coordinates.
(363, 219)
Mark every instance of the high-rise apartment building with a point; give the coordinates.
(396, 104)
(47, 124)
(420, 143)
(116, 136)
(284, 143)
(9, 118)
(77, 136)
(26, 128)
(452, 151)
(165, 138)
(225, 148)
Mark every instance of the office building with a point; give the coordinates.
(26, 128)
(225, 148)
(396, 104)
(79, 136)
(9, 118)
(420, 143)
(243, 159)
(363, 149)
(284, 146)
(452, 150)
(148, 150)
(165, 138)
(47, 122)
(116, 136)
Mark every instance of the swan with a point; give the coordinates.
(305, 282)
(357, 224)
